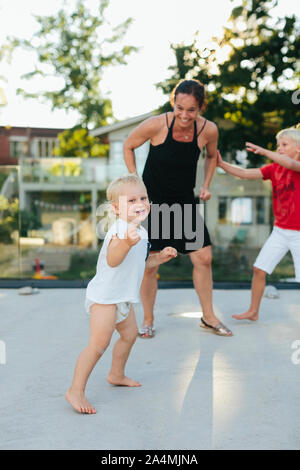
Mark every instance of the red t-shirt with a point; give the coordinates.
(286, 195)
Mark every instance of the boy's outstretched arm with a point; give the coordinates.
(283, 160)
(244, 173)
(165, 255)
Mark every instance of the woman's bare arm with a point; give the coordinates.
(145, 131)
(211, 155)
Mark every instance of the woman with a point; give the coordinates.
(176, 140)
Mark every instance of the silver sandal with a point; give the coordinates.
(147, 331)
(219, 329)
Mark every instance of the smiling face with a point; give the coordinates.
(133, 204)
(186, 110)
(287, 146)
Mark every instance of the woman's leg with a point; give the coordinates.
(148, 294)
(102, 325)
(128, 332)
(203, 283)
(257, 290)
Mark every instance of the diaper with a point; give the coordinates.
(123, 309)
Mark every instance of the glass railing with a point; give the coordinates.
(48, 220)
(10, 223)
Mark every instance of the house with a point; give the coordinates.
(65, 192)
(238, 212)
(116, 134)
(18, 142)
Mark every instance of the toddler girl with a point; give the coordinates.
(114, 289)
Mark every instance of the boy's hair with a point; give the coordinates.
(292, 133)
(115, 187)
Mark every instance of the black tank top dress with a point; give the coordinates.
(170, 176)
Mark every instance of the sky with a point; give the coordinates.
(156, 25)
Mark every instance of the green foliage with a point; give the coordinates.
(30, 220)
(9, 213)
(67, 169)
(250, 85)
(11, 219)
(76, 47)
(78, 143)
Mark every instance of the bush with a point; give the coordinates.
(9, 218)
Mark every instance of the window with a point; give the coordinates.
(237, 210)
(18, 147)
(241, 210)
(116, 152)
(43, 147)
(260, 210)
(222, 210)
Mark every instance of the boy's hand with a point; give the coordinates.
(132, 237)
(255, 148)
(219, 159)
(167, 253)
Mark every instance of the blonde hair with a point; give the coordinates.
(105, 211)
(292, 133)
(115, 187)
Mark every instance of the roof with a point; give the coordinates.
(119, 125)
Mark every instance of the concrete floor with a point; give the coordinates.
(200, 391)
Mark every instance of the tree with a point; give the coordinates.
(9, 219)
(251, 74)
(75, 47)
(77, 142)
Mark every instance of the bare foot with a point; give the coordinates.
(79, 402)
(249, 315)
(122, 381)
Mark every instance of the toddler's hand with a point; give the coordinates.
(167, 253)
(132, 237)
(255, 148)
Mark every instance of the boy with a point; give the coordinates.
(284, 174)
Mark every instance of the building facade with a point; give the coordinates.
(16, 142)
(239, 210)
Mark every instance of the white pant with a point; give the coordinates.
(277, 245)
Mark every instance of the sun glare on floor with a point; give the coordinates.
(227, 394)
(191, 314)
(184, 379)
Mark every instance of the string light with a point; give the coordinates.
(62, 207)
